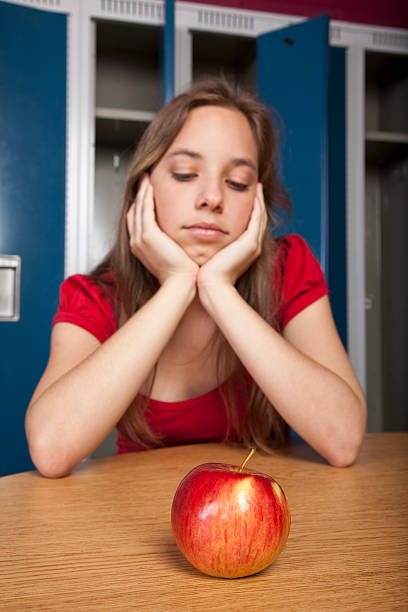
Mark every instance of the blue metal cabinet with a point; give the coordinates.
(303, 78)
(32, 204)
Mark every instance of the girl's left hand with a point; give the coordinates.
(232, 261)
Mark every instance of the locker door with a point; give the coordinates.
(32, 204)
(292, 69)
(303, 78)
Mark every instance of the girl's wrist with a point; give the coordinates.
(181, 284)
(215, 295)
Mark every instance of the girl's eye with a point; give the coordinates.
(237, 186)
(180, 176)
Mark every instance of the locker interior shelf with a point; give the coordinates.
(124, 114)
(382, 147)
(120, 127)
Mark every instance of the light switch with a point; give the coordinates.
(10, 266)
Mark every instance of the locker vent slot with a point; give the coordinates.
(133, 8)
(390, 39)
(225, 20)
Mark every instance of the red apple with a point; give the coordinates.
(229, 521)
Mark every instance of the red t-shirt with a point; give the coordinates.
(200, 418)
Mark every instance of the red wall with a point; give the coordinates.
(391, 13)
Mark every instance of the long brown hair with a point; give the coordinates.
(134, 285)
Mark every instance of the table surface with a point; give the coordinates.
(101, 538)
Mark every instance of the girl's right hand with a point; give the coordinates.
(161, 255)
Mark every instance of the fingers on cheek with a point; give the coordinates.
(130, 219)
(134, 222)
(258, 211)
(130, 225)
(260, 199)
(262, 210)
(148, 209)
(264, 223)
(139, 220)
(139, 202)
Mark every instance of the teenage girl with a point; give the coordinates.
(198, 325)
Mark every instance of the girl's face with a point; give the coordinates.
(205, 184)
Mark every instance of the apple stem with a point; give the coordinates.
(247, 458)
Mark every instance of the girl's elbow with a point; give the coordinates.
(346, 451)
(52, 470)
(344, 458)
(46, 454)
(49, 468)
(49, 460)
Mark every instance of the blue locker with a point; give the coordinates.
(292, 78)
(300, 76)
(32, 204)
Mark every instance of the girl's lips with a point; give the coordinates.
(206, 231)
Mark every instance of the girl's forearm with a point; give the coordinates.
(313, 400)
(76, 412)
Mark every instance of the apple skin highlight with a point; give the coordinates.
(229, 523)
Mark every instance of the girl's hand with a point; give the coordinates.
(232, 261)
(161, 255)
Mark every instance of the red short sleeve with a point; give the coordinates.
(303, 279)
(83, 303)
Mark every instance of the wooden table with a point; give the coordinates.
(101, 538)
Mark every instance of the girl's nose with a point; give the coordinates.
(211, 197)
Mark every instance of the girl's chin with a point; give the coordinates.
(200, 255)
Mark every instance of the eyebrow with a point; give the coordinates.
(239, 161)
(243, 161)
(187, 152)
